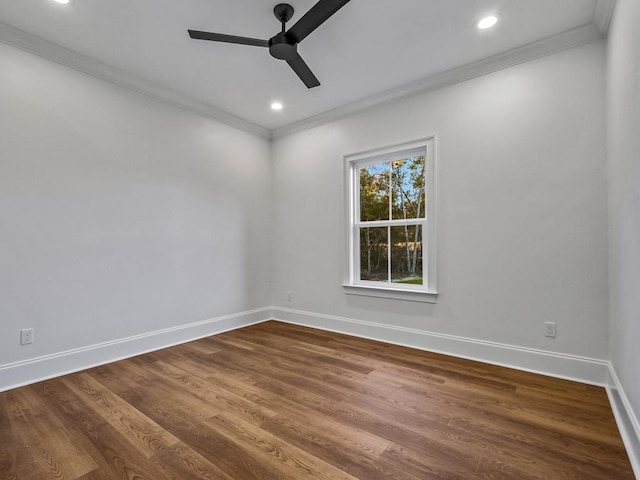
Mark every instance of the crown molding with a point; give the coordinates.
(38, 46)
(603, 14)
(572, 38)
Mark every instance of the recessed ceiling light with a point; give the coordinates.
(64, 2)
(276, 106)
(487, 22)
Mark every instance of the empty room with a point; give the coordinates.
(324, 239)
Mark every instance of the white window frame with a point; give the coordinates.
(353, 285)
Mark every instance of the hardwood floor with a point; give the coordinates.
(277, 401)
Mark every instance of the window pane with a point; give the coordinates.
(374, 254)
(406, 254)
(408, 188)
(374, 192)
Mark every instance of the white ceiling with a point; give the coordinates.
(370, 50)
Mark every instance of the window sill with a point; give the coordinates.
(392, 293)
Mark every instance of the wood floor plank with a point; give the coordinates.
(428, 466)
(368, 415)
(279, 401)
(141, 431)
(310, 418)
(346, 454)
(94, 475)
(205, 400)
(34, 423)
(293, 461)
(229, 456)
(16, 461)
(182, 462)
(349, 408)
(109, 446)
(349, 382)
(282, 345)
(590, 460)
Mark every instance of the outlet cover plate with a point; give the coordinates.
(26, 336)
(550, 329)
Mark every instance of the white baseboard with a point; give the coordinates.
(626, 419)
(42, 368)
(571, 367)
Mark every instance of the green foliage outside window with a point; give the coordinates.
(392, 191)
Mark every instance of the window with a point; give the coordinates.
(391, 239)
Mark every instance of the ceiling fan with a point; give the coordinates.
(284, 45)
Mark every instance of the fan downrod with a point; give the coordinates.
(280, 46)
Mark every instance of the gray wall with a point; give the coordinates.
(522, 207)
(623, 124)
(120, 215)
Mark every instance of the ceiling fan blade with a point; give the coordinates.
(303, 71)
(315, 17)
(221, 37)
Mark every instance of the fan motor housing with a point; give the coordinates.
(282, 48)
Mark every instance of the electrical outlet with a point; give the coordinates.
(550, 329)
(26, 336)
